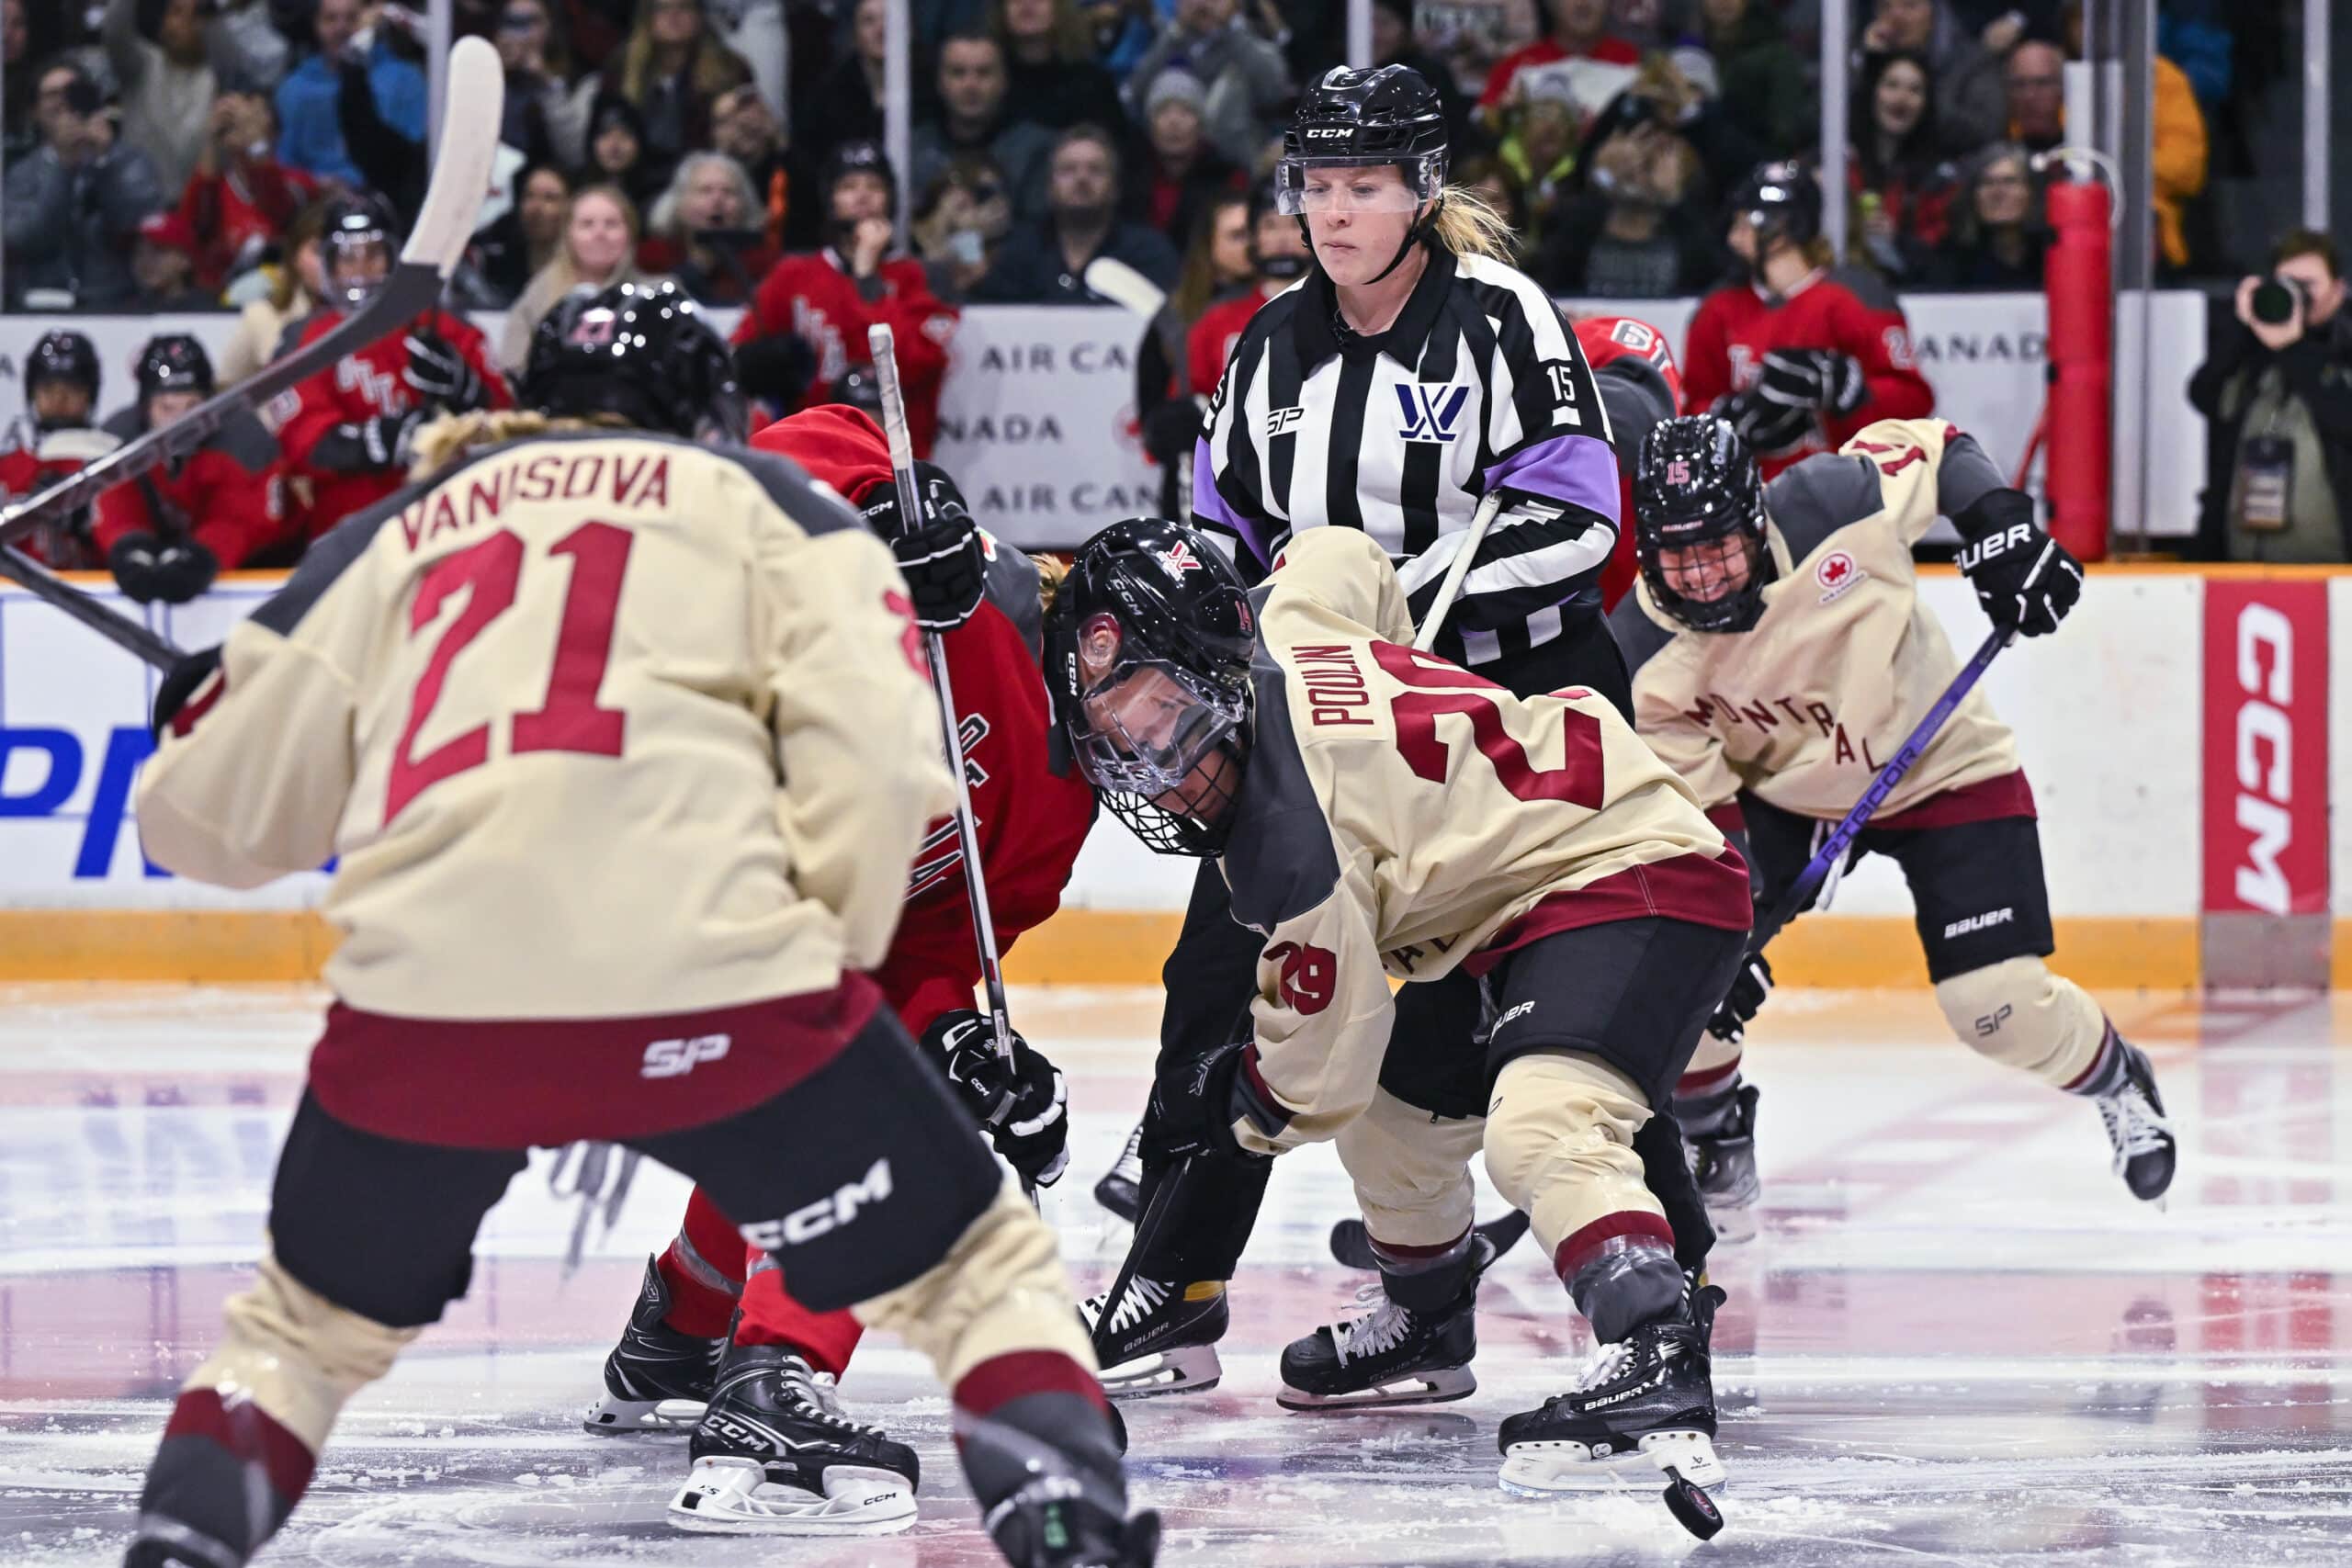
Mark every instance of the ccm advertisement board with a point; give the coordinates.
(1036, 419)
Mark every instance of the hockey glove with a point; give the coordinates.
(155, 570)
(1170, 430)
(437, 373)
(1743, 1001)
(1814, 378)
(1196, 1104)
(181, 683)
(1022, 1104)
(2026, 580)
(1767, 426)
(943, 559)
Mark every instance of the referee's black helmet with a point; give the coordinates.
(1696, 494)
(1360, 118)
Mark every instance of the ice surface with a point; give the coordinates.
(1957, 1341)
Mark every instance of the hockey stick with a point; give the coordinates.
(882, 343)
(460, 178)
(1832, 850)
(1131, 290)
(1457, 569)
(132, 637)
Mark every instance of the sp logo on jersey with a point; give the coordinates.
(1429, 412)
(1837, 574)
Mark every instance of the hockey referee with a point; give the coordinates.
(1411, 373)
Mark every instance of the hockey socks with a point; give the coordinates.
(769, 1316)
(1424, 1279)
(2107, 1072)
(703, 1270)
(1620, 1271)
(1041, 1448)
(223, 1481)
(1704, 1100)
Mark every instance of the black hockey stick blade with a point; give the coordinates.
(460, 180)
(1351, 1244)
(119, 629)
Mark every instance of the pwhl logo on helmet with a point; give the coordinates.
(1180, 558)
(1429, 412)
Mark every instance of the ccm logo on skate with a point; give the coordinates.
(672, 1058)
(1984, 922)
(825, 1215)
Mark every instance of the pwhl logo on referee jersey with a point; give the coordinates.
(1430, 411)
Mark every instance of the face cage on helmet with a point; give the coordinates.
(1735, 610)
(359, 291)
(1167, 833)
(1424, 181)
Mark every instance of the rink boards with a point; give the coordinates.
(2180, 734)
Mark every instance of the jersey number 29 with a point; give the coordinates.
(567, 720)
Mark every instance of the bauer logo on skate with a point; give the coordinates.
(824, 1216)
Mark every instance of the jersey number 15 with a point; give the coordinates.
(490, 575)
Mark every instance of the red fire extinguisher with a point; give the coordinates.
(2079, 278)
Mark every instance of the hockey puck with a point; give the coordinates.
(1692, 1507)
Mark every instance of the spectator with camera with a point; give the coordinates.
(1998, 234)
(309, 101)
(959, 223)
(239, 200)
(1628, 229)
(1579, 49)
(1246, 77)
(1044, 262)
(2278, 394)
(73, 206)
(803, 340)
(974, 116)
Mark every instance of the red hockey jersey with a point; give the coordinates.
(1031, 804)
(226, 495)
(25, 472)
(809, 294)
(1849, 310)
(1639, 386)
(357, 387)
(1210, 343)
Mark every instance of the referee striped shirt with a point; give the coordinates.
(1479, 385)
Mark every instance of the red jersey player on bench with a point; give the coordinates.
(773, 1453)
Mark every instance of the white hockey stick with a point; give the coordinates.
(1123, 285)
(1457, 569)
(453, 200)
(883, 343)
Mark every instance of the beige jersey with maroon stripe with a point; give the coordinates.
(1397, 812)
(597, 725)
(1805, 707)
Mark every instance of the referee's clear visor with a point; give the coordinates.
(1310, 184)
(1149, 724)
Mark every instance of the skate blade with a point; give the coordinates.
(1189, 1368)
(610, 1417)
(1734, 1223)
(1546, 1470)
(733, 1496)
(1415, 1388)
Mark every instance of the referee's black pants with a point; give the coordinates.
(1434, 1059)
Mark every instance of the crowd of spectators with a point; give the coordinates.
(161, 152)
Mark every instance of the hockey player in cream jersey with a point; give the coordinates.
(1380, 813)
(1780, 655)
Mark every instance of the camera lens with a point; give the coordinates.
(2273, 303)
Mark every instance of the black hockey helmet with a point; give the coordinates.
(1781, 201)
(641, 350)
(174, 362)
(62, 356)
(860, 156)
(1695, 486)
(1367, 118)
(359, 226)
(1151, 597)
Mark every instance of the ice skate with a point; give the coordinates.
(1352, 1243)
(1642, 1405)
(1722, 1163)
(656, 1379)
(1161, 1338)
(773, 1455)
(1121, 1189)
(1052, 1494)
(1381, 1356)
(2136, 1128)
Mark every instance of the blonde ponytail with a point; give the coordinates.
(1468, 225)
(445, 440)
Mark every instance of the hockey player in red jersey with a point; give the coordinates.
(830, 296)
(1639, 387)
(773, 1453)
(60, 401)
(168, 532)
(1798, 356)
(346, 430)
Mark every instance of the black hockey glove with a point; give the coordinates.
(1196, 1104)
(1767, 426)
(438, 374)
(367, 444)
(180, 684)
(942, 559)
(1170, 430)
(1743, 1001)
(1022, 1104)
(2026, 580)
(1814, 378)
(157, 570)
